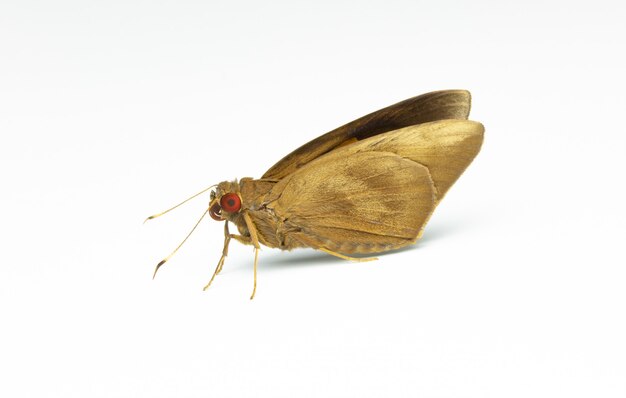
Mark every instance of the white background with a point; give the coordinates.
(111, 111)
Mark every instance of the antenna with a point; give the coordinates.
(181, 243)
(180, 204)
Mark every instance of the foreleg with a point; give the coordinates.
(227, 237)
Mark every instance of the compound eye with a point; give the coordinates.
(231, 202)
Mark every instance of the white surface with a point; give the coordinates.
(111, 111)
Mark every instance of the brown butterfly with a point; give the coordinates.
(367, 187)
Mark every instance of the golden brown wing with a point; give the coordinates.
(445, 147)
(367, 202)
(376, 194)
(437, 105)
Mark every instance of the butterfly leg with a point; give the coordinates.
(227, 237)
(256, 258)
(306, 241)
(254, 238)
(343, 256)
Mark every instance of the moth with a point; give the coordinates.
(367, 187)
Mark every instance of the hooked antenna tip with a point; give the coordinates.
(157, 267)
(152, 217)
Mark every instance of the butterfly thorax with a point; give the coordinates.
(255, 196)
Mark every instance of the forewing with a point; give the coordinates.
(366, 202)
(438, 105)
(444, 147)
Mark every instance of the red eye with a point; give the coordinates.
(231, 202)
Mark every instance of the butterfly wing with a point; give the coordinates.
(438, 105)
(444, 147)
(377, 194)
(369, 202)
